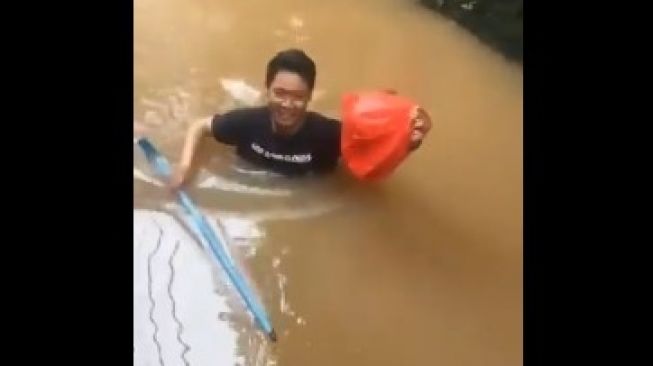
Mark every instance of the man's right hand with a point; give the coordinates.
(179, 178)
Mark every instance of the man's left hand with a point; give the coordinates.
(421, 124)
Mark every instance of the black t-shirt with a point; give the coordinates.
(314, 148)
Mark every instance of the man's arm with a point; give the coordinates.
(196, 132)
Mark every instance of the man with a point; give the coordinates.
(283, 136)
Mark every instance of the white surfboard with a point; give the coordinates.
(179, 298)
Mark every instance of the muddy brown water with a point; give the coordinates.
(422, 269)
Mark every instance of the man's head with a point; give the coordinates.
(290, 79)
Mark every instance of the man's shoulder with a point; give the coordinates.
(324, 125)
(235, 126)
(246, 114)
(322, 119)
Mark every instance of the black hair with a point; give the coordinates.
(293, 60)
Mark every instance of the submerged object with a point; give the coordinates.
(376, 128)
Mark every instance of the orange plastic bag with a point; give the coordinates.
(375, 133)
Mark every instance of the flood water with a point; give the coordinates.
(424, 268)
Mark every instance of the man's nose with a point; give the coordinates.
(286, 103)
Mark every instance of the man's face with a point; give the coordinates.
(288, 97)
